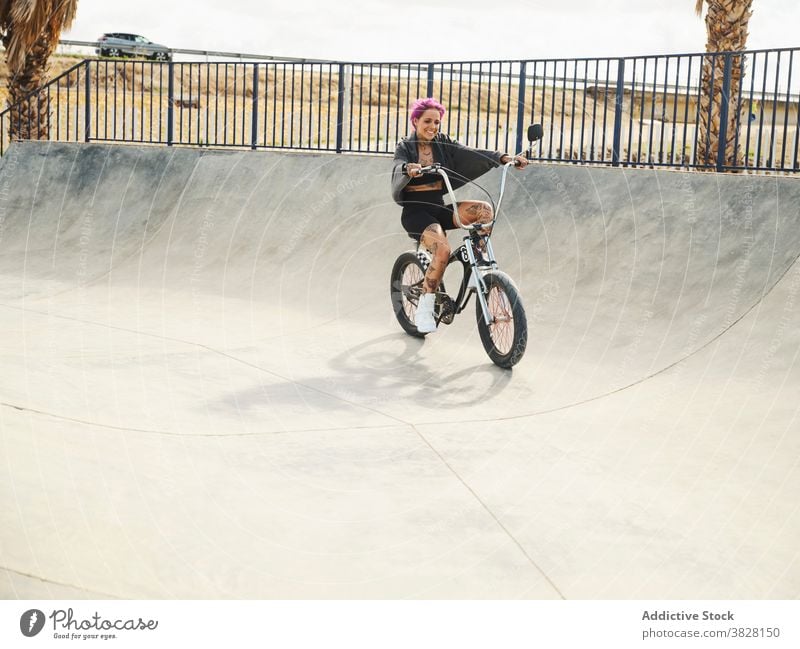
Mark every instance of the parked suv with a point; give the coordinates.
(118, 45)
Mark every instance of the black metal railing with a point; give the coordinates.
(654, 111)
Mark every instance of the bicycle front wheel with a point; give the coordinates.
(506, 336)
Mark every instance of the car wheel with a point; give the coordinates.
(161, 56)
(114, 52)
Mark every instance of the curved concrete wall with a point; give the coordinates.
(200, 353)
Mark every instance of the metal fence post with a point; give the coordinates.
(429, 89)
(618, 104)
(254, 123)
(340, 110)
(520, 108)
(347, 108)
(723, 113)
(170, 103)
(87, 113)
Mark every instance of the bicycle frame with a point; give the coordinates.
(465, 253)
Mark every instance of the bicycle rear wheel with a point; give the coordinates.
(405, 289)
(506, 337)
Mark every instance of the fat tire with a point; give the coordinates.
(505, 358)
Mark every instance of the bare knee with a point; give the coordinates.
(475, 212)
(485, 212)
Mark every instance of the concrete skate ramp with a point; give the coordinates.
(205, 392)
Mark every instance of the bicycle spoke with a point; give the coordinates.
(411, 285)
(502, 327)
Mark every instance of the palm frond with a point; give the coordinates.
(28, 21)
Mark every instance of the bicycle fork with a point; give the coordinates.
(480, 286)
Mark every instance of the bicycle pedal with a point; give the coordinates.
(446, 309)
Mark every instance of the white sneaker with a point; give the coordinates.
(423, 319)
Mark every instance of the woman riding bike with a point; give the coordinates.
(425, 216)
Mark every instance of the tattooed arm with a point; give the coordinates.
(404, 154)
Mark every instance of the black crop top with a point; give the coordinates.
(426, 179)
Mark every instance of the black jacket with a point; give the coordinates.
(467, 162)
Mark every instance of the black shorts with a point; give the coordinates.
(422, 209)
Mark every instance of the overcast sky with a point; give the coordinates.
(416, 30)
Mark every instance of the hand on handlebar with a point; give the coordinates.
(520, 161)
(413, 169)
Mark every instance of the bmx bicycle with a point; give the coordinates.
(499, 311)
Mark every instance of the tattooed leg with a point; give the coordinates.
(435, 240)
(476, 212)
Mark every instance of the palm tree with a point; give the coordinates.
(30, 31)
(726, 27)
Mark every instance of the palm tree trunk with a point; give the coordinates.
(726, 26)
(30, 110)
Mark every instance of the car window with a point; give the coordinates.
(141, 39)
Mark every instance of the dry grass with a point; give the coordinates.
(58, 65)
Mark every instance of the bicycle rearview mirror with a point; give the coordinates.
(535, 132)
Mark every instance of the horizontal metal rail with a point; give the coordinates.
(654, 111)
(217, 54)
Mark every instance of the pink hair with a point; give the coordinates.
(421, 105)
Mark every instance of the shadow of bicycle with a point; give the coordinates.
(392, 368)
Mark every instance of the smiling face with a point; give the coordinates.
(427, 125)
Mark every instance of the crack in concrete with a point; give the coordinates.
(58, 583)
(491, 513)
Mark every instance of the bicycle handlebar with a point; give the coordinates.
(437, 168)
